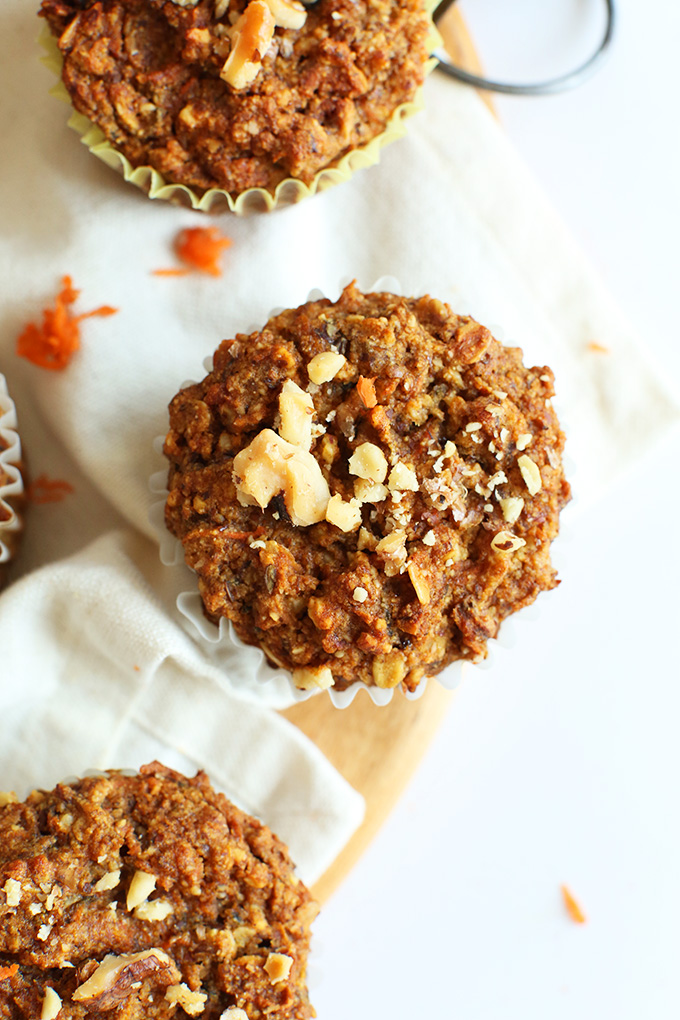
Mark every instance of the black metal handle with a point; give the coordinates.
(543, 88)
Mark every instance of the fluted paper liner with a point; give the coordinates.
(13, 487)
(287, 192)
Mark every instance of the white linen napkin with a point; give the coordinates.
(450, 211)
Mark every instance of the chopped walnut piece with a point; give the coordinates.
(192, 1003)
(234, 1013)
(429, 538)
(346, 516)
(288, 13)
(403, 477)
(156, 910)
(12, 890)
(391, 549)
(252, 36)
(270, 465)
(8, 797)
(368, 461)
(530, 474)
(309, 677)
(420, 583)
(114, 976)
(51, 1005)
(108, 881)
(141, 886)
(221, 8)
(278, 967)
(325, 366)
(370, 492)
(297, 410)
(506, 542)
(523, 440)
(511, 508)
(389, 670)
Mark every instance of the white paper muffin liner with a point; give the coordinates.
(246, 666)
(252, 200)
(10, 459)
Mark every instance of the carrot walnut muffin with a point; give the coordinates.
(236, 94)
(366, 489)
(147, 896)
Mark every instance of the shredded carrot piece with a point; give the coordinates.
(48, 490)
(53, 343)
(201, 247)
(573, 908)
(8, 972)
(170, 272)
(598, 348)
(366, 390)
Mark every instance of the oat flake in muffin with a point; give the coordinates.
(366, 489)
(239, 94)
(147, 896)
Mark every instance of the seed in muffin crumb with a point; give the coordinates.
(359, 594)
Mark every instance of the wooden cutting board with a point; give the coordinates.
(378, 749)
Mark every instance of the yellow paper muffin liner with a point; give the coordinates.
(216, 200)
(11, 482)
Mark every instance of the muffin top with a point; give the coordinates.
(144, 896)
(236, 94)
(366, 489)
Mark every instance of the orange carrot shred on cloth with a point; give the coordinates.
(201, 248)
(573, 907)
(48, 490)
(53, 343)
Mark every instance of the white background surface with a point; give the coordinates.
(560, 763)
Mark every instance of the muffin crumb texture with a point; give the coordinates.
(147, 896)
(408, 510)
(238, 94)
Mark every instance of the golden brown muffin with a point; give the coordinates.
(367, 488)
(147, 896)
(239, 94)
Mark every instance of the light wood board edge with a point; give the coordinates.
(377, 750)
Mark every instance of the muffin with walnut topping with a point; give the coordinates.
(367, 488)
(147, 896)
(222, 97)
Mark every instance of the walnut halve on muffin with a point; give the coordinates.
(367, 488)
